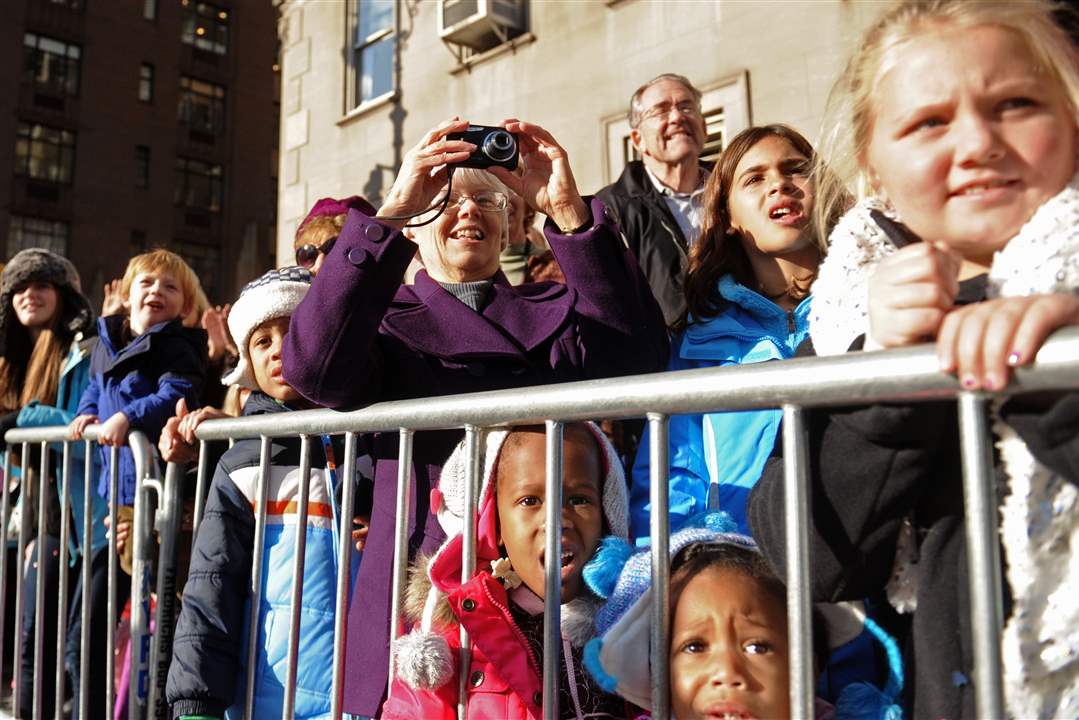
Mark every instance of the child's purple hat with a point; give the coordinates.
(331, 207)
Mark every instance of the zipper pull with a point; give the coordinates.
(790, 322)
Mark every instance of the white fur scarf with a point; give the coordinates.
(1040, 515)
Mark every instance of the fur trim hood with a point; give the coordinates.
(42, 265)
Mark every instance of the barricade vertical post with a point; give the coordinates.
(983, 554)
(61, 604)
(799, 612)
(110, 649)
(39, 589)
(552, 599)
(262, 490)
(400, 538)
(168, 526)
(87, 569)
(141, 539)
(289, 705)
(661, 565)
(344, 574)
(5, 513)
(200, 488)
(24, 536)
(474, 463)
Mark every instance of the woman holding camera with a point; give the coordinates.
(460, 328)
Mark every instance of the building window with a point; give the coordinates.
(142, 166)
(28, 232)
(146, 83)
(44, 153)
(372, 50)
(149, 9)
(205, 26)
(199, 185)
(202, 107)
(52, 65)
(70, 4)
(205, 260)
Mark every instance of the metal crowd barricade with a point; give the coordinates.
(147, 482)
(859, 378)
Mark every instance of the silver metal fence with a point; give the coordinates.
(859, 378)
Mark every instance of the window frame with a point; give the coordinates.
(193, 10)
(65, 154)
(354, 100)
(32, 64)
(58, 243)
(217, 101)
(146, 83)
(186, 167)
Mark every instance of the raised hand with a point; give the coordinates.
(910, 293)
(218, 338)
(544, 178)
(423, 172)
(114, 298)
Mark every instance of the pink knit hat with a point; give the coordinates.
(330, 207)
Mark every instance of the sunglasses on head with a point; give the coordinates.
(307, 255)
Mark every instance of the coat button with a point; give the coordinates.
(358, 256)
(468, 605)
(538, 699)
(375, 233)
(476, 679)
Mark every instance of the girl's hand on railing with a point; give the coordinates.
(80, 423)
(114, 431)
(544, 178)
(983, 341)
(910, 293)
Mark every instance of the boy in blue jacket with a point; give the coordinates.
(145, 361)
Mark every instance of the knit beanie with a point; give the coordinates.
(38, 264)
(274, 295)
(423, 658)
(331, 207)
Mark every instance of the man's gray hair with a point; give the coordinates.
(635, 108)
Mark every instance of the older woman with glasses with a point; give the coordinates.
(361, 336)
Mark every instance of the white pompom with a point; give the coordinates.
(423, 660)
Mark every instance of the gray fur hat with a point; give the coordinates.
(46, 266)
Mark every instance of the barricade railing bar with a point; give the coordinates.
(910, 374)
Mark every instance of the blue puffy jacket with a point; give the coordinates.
(207, 675)
(727, 449)
(143, 379)
(74, 377)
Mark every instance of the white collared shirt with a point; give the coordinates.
(687, 208)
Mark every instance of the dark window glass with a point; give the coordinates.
(205, 260)
(149, 9)
(202, 106)
(52, 65)
(205, 26)
(146, 83)
(199, 184)
(71, 4)
(372, 50)
(142, 166)
(28, 232)
(44, 153)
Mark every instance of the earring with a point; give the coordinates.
(502, 569)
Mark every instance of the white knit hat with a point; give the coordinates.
(274, 295)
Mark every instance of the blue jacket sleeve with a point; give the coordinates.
(150, 412)
(207, 649)
(88, 403)
(687, 479)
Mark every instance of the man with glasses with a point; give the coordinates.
(658, 200)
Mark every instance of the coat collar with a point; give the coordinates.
(515, 321)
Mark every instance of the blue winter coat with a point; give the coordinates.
(724, 449)
(207, 675)
(143, 379)
(74, 377)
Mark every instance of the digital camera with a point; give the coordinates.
(494, 147)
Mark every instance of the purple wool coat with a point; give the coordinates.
(360, 336)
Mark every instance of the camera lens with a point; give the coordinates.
(499, 145)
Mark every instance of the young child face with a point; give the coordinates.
(969, 138)
(155, 297)
(264, 348)
(520, 497)
(729, 649)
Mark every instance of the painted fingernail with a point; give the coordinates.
(1015, 358)
(991, 382)
(969, 381)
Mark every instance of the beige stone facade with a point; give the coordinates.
(571, 69)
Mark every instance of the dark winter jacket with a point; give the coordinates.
(391, 341)
(207, 674)
(143, 379)
(653, 235)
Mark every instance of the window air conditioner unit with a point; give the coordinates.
(480, 24)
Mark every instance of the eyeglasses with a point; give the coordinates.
(686, 108)
(486, 200)
(307, 255)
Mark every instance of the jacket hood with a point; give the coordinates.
(42, 265)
